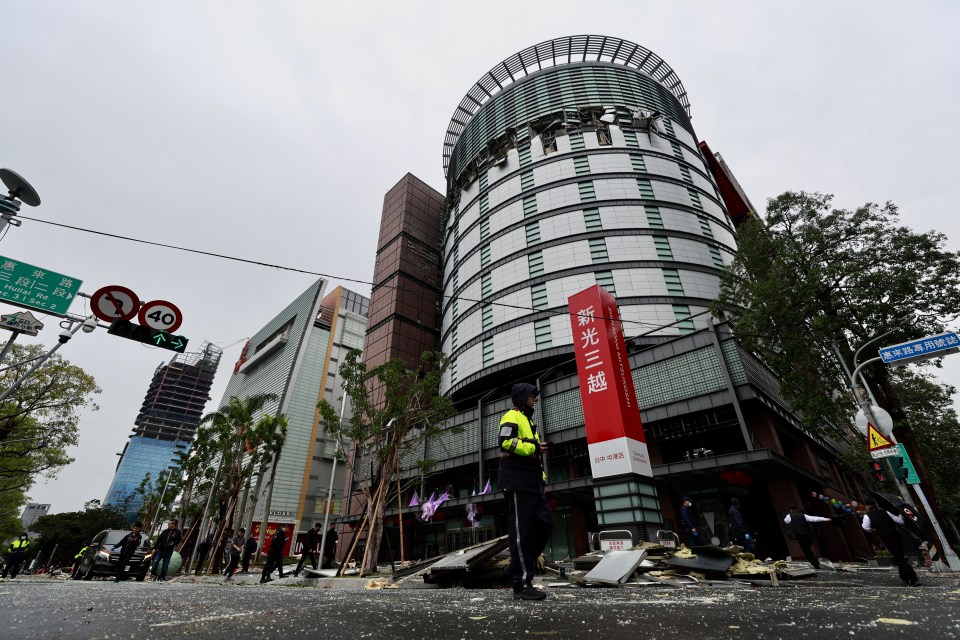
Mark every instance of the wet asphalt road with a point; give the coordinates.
(833, 606)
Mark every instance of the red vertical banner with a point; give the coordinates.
(614, 431)
(272, 529)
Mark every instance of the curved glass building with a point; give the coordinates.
(573, 163)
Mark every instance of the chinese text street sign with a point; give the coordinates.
(889, 452)
(26, 285)
(922, 349)
(615, 439)
(22, 321)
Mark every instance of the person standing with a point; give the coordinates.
(887, 525)
(310, 549)
(691, 523)
(202, 550)
(523, 482)
(330, 547)
(16, 554)
(167, 543)
(78, 558)
(800, 527)
(128, 545)
(249, 548)
(739, 529)
(274, 554)
(235, 547)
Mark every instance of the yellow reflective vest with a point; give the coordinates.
(520, 466)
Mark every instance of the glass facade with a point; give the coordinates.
(141, 456)
(561, 180)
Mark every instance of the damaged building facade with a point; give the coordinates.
(570, 164)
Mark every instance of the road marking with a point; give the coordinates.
(206, 619)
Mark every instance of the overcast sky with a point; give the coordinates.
(271, 130)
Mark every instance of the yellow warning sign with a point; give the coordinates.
(875, 439)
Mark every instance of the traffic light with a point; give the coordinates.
(877, 469)
(146, 335)
(899, 471)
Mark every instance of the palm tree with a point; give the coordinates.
(235, 434)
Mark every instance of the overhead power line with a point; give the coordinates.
(269, 265)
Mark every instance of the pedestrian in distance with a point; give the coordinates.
(887, 525)
(78, 558)
(128, 545)
(523, 482)
(739, 529)
(16, 554)
(202, 550)
(330, 547)
(249, 548)
(167, 543)
(799, 525)
(274, 554)
(310, 548)
(235, 547)
(691, 523)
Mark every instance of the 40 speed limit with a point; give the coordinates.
(160, 315)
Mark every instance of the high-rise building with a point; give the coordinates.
(32, 512)
(166, 424)
(296, 357)
(570, 164)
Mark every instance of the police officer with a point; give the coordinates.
(128, 545)
(77, 559)
(523, 482)
(16, 555)
(310, 550)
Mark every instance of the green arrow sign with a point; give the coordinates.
(912, 477)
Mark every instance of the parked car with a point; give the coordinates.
(100, 558)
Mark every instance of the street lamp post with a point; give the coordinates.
(333, 474)
(948, 554)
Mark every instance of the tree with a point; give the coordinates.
(69, 531)
(39, 421)
(237, 442)
(928, 406)
(395, 409)
(811, 282)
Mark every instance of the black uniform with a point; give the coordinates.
(522, 480)
(235, 546)
(128, 545)
(880, 521)
(274, 556)
(309, 550)
(249, 548)
(330, 548)
(15, 556)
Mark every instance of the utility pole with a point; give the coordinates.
(333, 475)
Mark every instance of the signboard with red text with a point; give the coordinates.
(615, 437)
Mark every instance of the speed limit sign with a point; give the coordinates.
(160, 315)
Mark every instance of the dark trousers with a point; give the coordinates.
(894, 545)
(273, 562)
(805, 540)
(14, 560)
(245, 562)
(695, 539)
(328, 557)
(303, 556)
(162, 560)
(529, 528)
(121, 570)
(232, 566)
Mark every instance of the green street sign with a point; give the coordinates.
(32, 287)
(912, 477)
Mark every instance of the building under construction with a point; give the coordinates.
(166, 424)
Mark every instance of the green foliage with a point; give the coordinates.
(70, 530)
(395, 409)
(928, 406)
(39, 421)
(811, 278)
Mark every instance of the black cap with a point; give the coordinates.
(686, 499)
